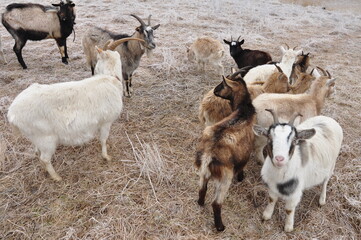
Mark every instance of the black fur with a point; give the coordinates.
(288, 187)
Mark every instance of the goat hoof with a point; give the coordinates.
(240, 177)
(200, 202)
(64, 60)
(220, 228)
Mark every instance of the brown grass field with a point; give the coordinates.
(149, 190)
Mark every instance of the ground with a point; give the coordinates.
(149, 190)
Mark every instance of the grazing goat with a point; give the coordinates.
(307, 104)
(263, 72)
(206, 50)
(298, 158)
(37, 22)
(2, 56)
(246, 57)
(70, 113)
(130, 52)
(213, 109)
(225, 147)
(301, 65)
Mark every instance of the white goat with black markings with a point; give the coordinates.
(298, 158)
(206, 50)
(130, 52)
(70, 113)
(263, 72)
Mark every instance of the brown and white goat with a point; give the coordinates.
(213, 109)
(206, 50)
(301, 64)
(225, 147)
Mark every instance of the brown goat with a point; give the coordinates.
(301, 64)
(303, 82)
(213, 109)
(225, 147)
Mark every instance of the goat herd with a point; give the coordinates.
(270, 107)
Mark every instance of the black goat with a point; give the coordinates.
(37, 22)
(246, 57)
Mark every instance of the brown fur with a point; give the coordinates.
(226, 146)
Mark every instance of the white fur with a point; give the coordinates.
(263, 72)
(317, 169)
(69, 113)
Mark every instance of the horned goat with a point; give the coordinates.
(301, 65)
(263, 72)
(298, 158)
(246, 57)
(213, 109)
(206, 50)
(37, 22)
(225, 147)
(307, 104)
(70, 113)
(130, 52)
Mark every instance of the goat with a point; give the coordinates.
(130, 52)
(70, 113)
(298, 159)
(206, 50)
(225, 147)
(246, 57)
(37, 22)
(303, 81)
(307, 104)
(213, 109)
(262, 73)
(301, 65)
(2, 56)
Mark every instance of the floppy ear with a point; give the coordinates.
(306, 134)
(226, 42)
(260, 131)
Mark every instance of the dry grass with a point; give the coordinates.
(149, 190)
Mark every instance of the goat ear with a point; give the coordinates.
(241, 42)
(260, 131)
(156, 26)
(56, 5)
(306, 134)
(315, 73)
(299, 52)
(226, 42)
(282, 49)
(330, 82)
(138, 29)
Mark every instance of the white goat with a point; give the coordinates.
(2, 56)
(70, 113)
(207, 50)
(263, 72)
(298, 159)
(307, 104)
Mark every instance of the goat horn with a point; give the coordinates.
(328, 74)
(115, 44)
(138, 18)
(149, 19)
(275, 117)
(288, 47)
(293, 118)
(323, 71)
(295, 48)
(235, 74)
(239, 38)
(106, 45)
(231, 39)
(279, 69)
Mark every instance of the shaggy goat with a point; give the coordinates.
(2, 56)
(298, 158)
(70, 113)
(263, 72)
(225, 147)
(307, 104)
(130, 52)
(246, 57)
(37, 22)
(213, 109)
(206, 50)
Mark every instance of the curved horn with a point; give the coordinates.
(275, 117)
(288, 47)
(323, 71)
(295, 48)
(328, 74)
(115, 44)
(138, 18)
(239, 38)
(279, 69)
(106, 45)
(235, 74)
(293, 118)
(149, 19)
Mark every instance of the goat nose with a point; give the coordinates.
(279, 158)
